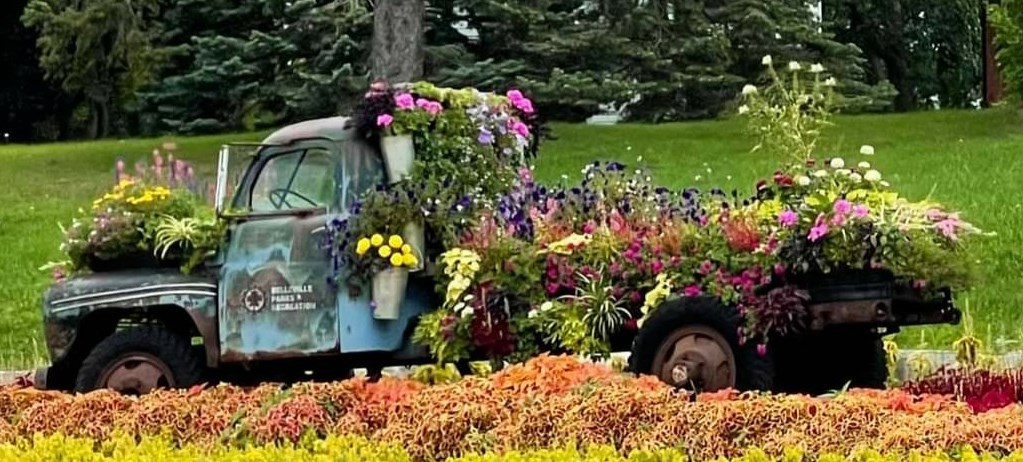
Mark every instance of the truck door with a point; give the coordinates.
(275, 297)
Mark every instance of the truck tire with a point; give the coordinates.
(140, 359)
(703, 333)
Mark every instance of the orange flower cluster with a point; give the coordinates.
(546, 402)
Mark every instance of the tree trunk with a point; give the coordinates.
(398, 50)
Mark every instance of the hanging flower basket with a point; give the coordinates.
(415, 236)
(398, 151)
(389, 293)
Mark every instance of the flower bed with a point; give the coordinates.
(359, 449)
(982, 390)
(548, 402)
(154, 217)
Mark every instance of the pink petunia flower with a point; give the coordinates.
(520, 128)
(842, 207)
(404, 101)
(434, 108)
(860, 211)
(385, 120)
(524, 105)
(788, 218)
(589, 227)
(514, 95)
(657, 266)
(761, 349)
(819, 230)
(692, 291)
(947, 228)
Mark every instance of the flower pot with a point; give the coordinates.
(398, 152)
(604, 119)
(415, 236)
(389, 292)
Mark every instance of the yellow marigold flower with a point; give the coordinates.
(362, 247)
(384, 252)
(395, 241)
(409, 260)
(377, 240)
(406, 248)
(396, 259)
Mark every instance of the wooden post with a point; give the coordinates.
(992, 84)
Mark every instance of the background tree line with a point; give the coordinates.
(95, 68)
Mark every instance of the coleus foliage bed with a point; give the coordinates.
(549, 402)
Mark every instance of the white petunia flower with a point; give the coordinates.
(749, 90)
(864, 165)
(803, 180)
(817, 68)
(843, 172)
(794, 66)
(546, 306)
(872, 175)
(533, 314)
(855, 177)
(744, 109)
(820, 173)
(885, 184)
(837, 163)
(867, 150)
(766, 60)
(830, 82)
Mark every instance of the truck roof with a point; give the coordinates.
(334, 128)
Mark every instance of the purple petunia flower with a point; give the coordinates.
(485, 137)
(788, 218)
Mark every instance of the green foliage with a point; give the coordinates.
(1007, 19)
(99, 50)
(928, 49)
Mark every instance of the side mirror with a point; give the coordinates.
(222, 164)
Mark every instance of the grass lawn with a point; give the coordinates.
(969, 160)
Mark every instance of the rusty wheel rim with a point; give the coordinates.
(696, 357)
(137, 374)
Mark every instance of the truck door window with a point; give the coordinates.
(294, 180)
(363, 170)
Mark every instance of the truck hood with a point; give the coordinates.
(125, 287)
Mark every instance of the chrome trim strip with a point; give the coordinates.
(134, 297)
(196, 285)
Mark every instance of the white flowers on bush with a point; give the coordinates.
(794, 66)
(766, 60)
(803, 180)
(872, 175)
(820, 173)
(749, 90)
(867, 150)
(837, 163)
(744, 109)
(830, 82)
(842, 172)
(817, 68)
(864, 165)
(855, 177)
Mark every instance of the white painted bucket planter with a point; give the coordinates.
(399, 151)
(604, 119)
(414, 235)
(389, 292)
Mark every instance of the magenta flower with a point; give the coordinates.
(706, 267)
(520, 128)
(552, 288)
(692, 291)
(526, 175)
(779, 269)
(860, 211)
(819, 230)
(514, 95)
(842, 207)
(524, 105)
(657, 266)
(385, 120)
(919, 284)
(761, 349)
(788, 218)
(589, 227)
(404, 101)
(838, 220)
(434, 108)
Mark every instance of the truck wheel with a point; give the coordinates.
(137, 360)
(693, 343)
